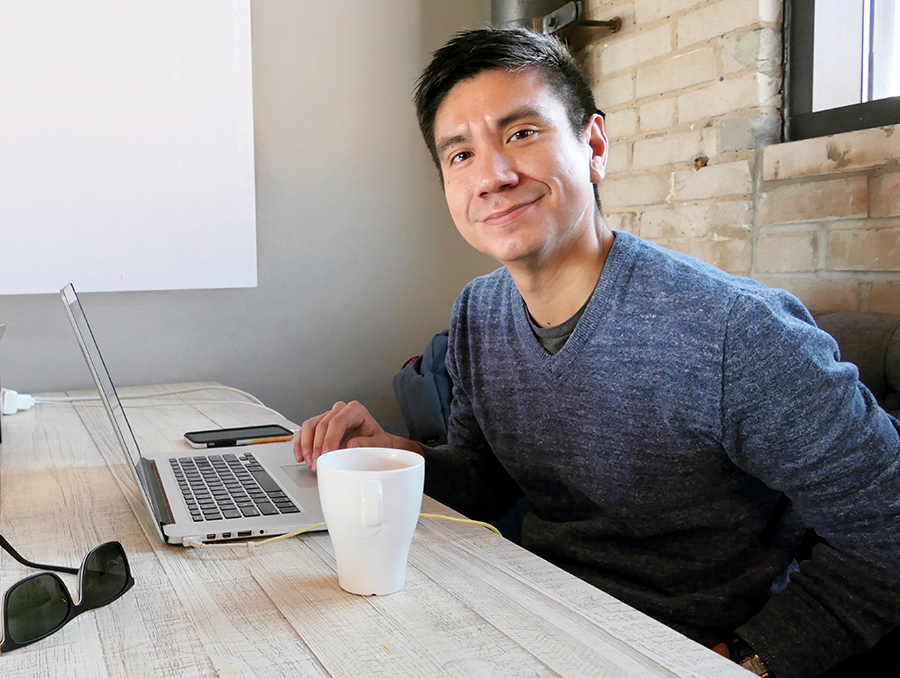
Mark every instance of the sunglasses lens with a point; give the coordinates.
(35, 607)
(105, 574)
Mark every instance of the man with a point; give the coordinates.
(676, 430)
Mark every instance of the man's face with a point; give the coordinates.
(517, 179)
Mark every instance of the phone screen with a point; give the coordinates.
(226, 436)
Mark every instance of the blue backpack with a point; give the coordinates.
(423, 390)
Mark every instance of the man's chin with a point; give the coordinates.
(515, 256)
(505, 248)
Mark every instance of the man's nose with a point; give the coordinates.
(496, 171)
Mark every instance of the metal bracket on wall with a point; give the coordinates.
(570, 14)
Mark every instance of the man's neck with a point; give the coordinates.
(554, 290)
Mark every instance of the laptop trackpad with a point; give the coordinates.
(301, 476)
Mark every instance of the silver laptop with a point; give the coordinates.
(249, 491)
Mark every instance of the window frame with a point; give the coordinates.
(800, 122)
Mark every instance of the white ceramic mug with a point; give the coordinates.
(371, 498)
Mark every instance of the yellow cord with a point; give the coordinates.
(251, 545)
(295, 533)
(460, 520)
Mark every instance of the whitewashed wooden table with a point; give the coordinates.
(474, 604)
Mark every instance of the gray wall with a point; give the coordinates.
(359, 262)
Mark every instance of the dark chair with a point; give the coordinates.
(871, 341)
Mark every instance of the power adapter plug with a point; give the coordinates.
(12, 402)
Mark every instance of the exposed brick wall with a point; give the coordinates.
(692, 92)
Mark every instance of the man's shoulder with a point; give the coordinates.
(700, 299)
(656, 270)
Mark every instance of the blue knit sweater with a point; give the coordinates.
(675, 451)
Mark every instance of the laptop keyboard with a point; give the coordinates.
(226, 486)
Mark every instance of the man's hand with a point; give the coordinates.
(344, 425)
(723, 650)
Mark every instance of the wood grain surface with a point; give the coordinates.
(474, 604)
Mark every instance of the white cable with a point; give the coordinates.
(150, 396)
(253, 400)
(201, 402)
(73, 399)
(11, 402)
(176, 404)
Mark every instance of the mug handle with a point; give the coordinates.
(372, 503)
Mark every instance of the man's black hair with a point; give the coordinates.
(472, 52)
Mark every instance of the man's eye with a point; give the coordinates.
(521, 134)
(459, 157)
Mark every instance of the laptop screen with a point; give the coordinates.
(101, 375)
(113, 407)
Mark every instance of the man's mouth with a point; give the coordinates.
(501, 217)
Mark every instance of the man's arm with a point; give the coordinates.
(802, 423)
(464, 474)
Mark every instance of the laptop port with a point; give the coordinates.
(245, 533)
(210, 536)
(226, 535)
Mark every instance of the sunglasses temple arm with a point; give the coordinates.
(15, 554)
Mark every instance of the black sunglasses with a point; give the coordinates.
(40, 604)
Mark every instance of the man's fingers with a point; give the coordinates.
(331, 426)
(351, 421)
(303, 440)
(308, 444)
(335, 429)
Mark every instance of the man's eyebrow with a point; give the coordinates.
(523, 112)
(446, 142)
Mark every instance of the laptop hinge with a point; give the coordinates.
(153, 483)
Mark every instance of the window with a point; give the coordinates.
(843, 66)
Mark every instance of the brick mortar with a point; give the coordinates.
(771, 184)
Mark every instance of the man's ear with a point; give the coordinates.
(595, 135)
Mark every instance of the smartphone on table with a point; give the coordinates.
(240, 435)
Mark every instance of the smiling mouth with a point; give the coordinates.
(503, 217)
